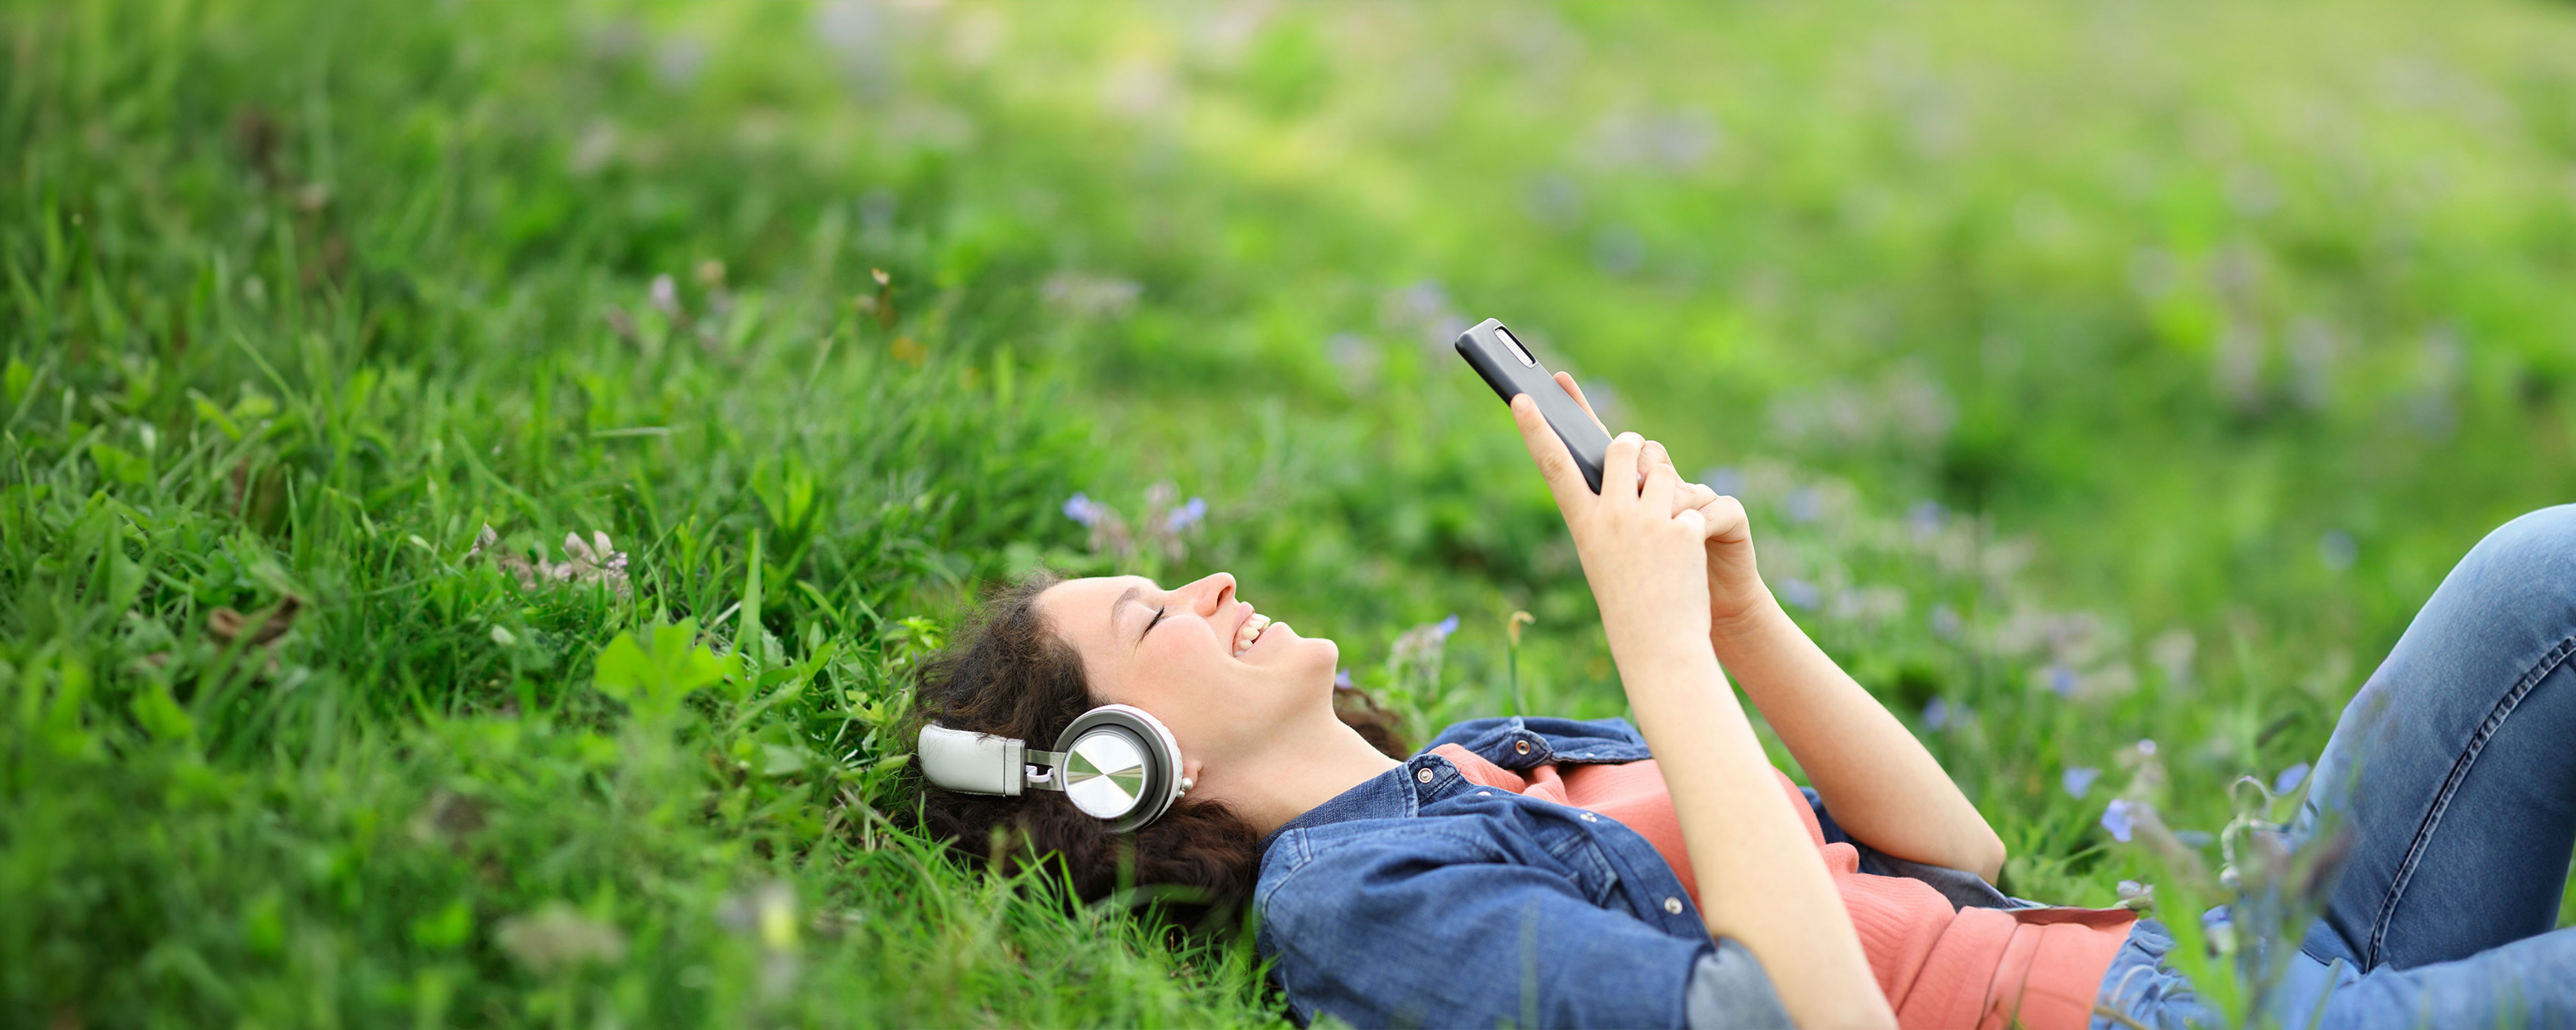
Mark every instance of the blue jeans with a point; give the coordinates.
(2454, 770)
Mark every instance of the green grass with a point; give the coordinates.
(2164, 354)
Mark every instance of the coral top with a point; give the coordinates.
(1940, 968)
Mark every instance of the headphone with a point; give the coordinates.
(1116, 763)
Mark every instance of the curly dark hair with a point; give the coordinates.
(1008, 673)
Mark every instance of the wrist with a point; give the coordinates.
(1641, 650)
(1760, 614)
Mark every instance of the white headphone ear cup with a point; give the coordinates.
(1160, 757)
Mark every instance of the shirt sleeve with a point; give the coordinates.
(1422, 927)
(1961, 888)
(1729, 991)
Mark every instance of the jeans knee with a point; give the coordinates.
(2529, 561)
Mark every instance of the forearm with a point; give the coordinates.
(1761, 880)
(1876, 778)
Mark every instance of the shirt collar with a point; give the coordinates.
(1394, 794)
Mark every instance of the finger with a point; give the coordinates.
(1694, 521)
(1724, 521)
(1555, 463)
(1692, 495)
(1619, 466)
(1661, 481)
(1657, 455)
(1567, 381)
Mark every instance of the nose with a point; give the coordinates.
(1208, 595)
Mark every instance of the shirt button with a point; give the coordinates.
(1673, 905)
(1484, 793)
(1521, 746)
(1422, 774)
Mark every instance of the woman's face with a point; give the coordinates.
(1219, 674)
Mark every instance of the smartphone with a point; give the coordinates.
(1510, 368)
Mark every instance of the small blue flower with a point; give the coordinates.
(1800, 593)
(1080, 508)
(2290, 778)
(2078, 780)
(1805, 504)
(1186, 515)
(1342, 679)
(2146, 747)
(1936, 713)
(1446, 626)
(2337, 549)
(2116, 818)
(1926, 517)
(1946, 622)
(2061, 679)
(1604, 399)
(1350, 353)
(1724, 479)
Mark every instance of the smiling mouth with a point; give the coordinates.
(1250, 631)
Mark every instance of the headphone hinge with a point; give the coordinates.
(1040, 769)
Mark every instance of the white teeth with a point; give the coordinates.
(1250, 632)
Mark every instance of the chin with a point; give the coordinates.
(1327, 655)
(1309, 652)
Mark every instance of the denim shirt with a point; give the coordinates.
(1418, 898)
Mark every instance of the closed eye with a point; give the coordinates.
(1158, 618)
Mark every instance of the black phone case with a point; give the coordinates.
(1511, 368)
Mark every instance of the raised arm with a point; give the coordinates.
(1876, 778)
(1762, 881)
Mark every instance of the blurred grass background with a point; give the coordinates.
(2097, 373)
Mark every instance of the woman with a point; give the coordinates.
(1543, 871)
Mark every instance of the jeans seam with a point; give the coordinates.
(2494, 721)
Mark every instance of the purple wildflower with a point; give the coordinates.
(1725, 479)
(1351, 353)
(1805, 504)
(2061, 679)
(1926, 517)
(2290, 779)
(1604, 399)
(1936, 713)
(1186, 515)
(2146, 747)
(2078, 780)
(2337, 549)
(1446, 626)
(1800, 593)
(2117, 819)
(1946, 622)
(1342, 680)
(1081, 508)
(1618, 250)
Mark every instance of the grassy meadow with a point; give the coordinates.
(474, 476)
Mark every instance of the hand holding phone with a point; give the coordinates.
(1735, 585)
(1508, 366)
